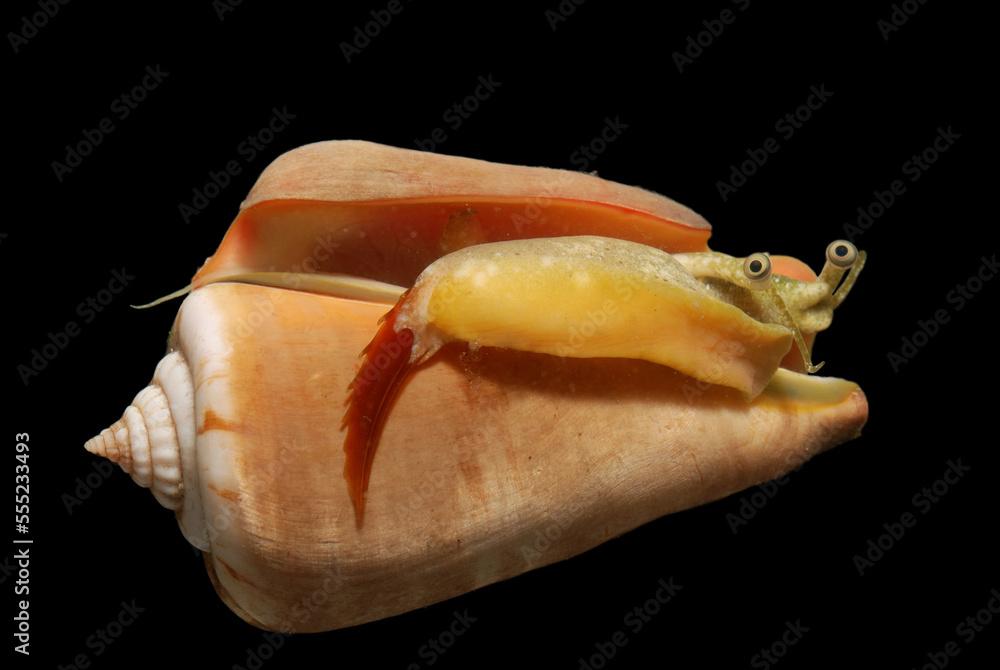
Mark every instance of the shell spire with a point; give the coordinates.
(144, 443)
(112, 444)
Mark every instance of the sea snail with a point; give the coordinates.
(490, 351)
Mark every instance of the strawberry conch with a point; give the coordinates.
(304, 334)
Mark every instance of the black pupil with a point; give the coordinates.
(841, 250)
(755, 266)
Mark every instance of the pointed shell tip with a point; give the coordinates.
(95, 445)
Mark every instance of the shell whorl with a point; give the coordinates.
(146, 441)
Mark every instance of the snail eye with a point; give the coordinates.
(757, 267)
(841, 253)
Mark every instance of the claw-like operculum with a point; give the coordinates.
(384, 364)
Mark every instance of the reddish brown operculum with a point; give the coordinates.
(382, 372)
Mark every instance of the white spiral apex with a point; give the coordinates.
(145, 442)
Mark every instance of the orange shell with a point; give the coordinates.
(385, 213)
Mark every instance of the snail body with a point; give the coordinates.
(482, 450)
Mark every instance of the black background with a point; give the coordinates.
(119, 208)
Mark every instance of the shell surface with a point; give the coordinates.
(483, 450)
(366, 210)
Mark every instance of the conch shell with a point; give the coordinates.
(484, 450)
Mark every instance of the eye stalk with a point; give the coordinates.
(757, 268)
(842, 258)
(841, 254)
